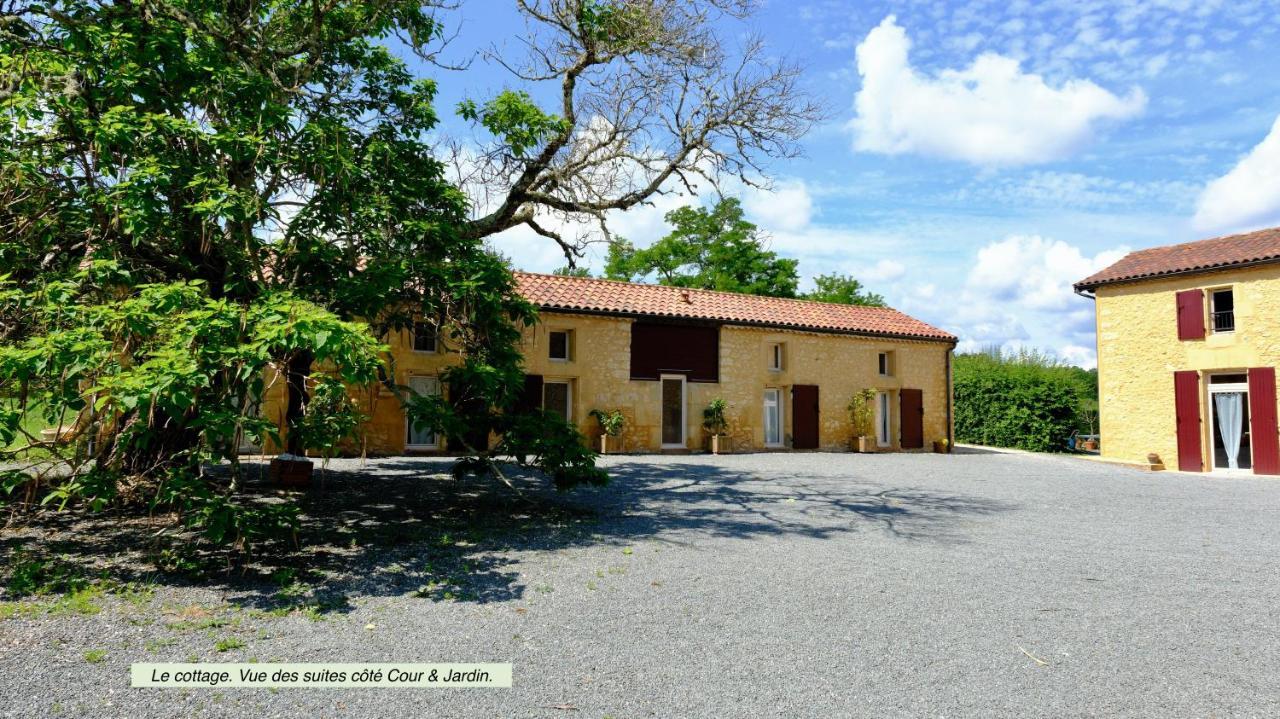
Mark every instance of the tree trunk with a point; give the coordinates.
(298, 370)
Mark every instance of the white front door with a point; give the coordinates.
(421, 438)
(772, 418)
(672, 410)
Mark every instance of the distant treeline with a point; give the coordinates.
(1025, 400)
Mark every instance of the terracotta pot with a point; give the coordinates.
(609, 444)
(940, 446)
(1090, 444)
(864, 444)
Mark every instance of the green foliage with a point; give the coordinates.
(862, 412)
(200, 197)
(713, 416)
(1026, 400)
(710, 249)
(567, 271)
(842, 290)
(611, 421)
(330, 418)
(544, 440)
(514, 117)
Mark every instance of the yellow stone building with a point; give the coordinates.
(786, 369)
(1188, 341)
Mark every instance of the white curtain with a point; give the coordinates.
(1229, 408)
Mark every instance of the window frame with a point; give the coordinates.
(1211, 296)
(884, 363)
(408, 433)
(568, 345)
(777, 356)
(778, 404)
(413, 339)
(568, 396)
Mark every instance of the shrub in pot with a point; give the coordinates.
(611, 425)
(715, 424)
(862, 414)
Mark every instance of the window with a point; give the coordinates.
(886, 364)
(558, 397)
(424, 337)
(559, 341)
(421, 437)
(775, 356)
(1222, 306)
(772, 417)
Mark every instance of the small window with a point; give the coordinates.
(886, 364)
(775, 356)
(560, 345)
(1222, 309)
(557, 397)
(424, 337)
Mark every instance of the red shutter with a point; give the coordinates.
(1191, 315)
(1186, 400)
(1262, 421)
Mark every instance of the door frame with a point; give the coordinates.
(1210, 390)
(884, 418)
(684, 411)
(408, 430)
(782, 435)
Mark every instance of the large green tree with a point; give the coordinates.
(843, 290)
(712, 248)
(195, 191)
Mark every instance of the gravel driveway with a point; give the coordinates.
(788, 585)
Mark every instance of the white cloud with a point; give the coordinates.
(1249, 195)
(787, 207)
(1018, 294)
(1033, 272)
(990, 114)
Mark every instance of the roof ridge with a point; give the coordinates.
(710, 292)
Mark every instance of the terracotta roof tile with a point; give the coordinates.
(581, 294)
(1217, 253)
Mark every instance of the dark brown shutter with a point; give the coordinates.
(1191, 315)
(1186, 400)
(690, 350)
(1262, 421)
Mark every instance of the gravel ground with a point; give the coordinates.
(977, 584)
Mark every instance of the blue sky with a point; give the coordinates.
(981, 156)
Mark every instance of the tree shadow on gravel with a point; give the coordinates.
(404, 526)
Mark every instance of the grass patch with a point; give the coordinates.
(95, 656)
(155, 645)
(226, 644)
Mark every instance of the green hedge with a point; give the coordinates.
(1025, 401)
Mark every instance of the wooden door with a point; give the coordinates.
(911, 411)
(1262, 420)
(804, 416)
(1186, 402)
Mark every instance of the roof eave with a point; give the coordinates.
(1086, 286)
(951, 340)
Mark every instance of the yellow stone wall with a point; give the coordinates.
(1139, 350)
(599, 373)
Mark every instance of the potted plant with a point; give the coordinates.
(862, 414)
(941, 446)
(714, 422)
(611, 424)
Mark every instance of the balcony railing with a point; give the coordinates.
(1224, 321)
